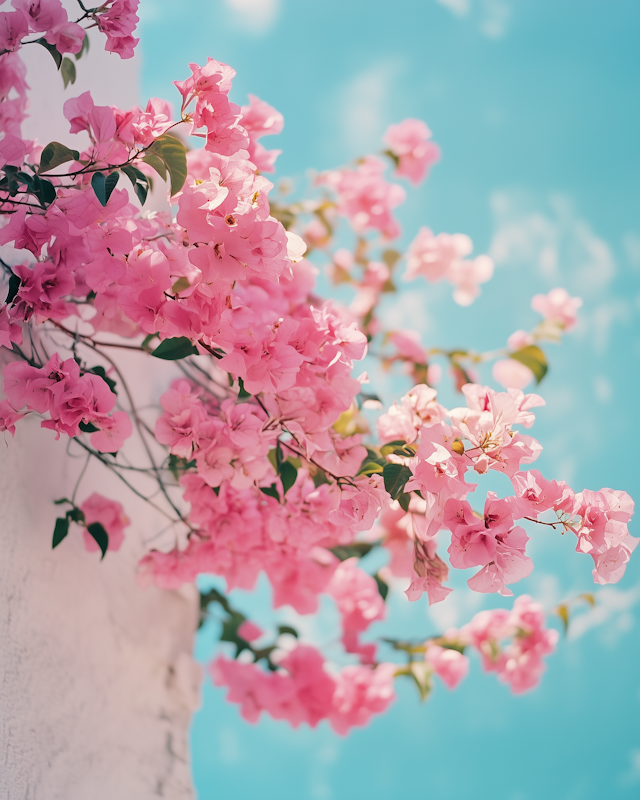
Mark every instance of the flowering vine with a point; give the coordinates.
(267, 463)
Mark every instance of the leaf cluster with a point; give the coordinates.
(75, 514)
(232, 619)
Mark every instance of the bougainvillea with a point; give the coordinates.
(261, 421)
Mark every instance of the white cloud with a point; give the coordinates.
(495, 18)
(459, 7)
(255, 16)
(491, 16)
(364, 105)
(455, 610)
(613, 606)
(552, 240)
(632, 775)
(602, 388)
(632, 247)
(229, 749)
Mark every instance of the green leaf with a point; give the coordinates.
(101, 537)
(178, 465)
(319, 477)
(103, 186)
(532, 357)
(76, 514)
(403, 499)
(68, 71)
(25, 179)
(391, 447)
(101, 373)
(157, 163)
(230, 631)
(391, 258)
(14, 286)
(139, 181)
(563, 612)
(180, 285)
(383, 586)
(98, 184)
(370, 468)
(390, 154)
(287, 629)
(175, 349)
(85, 47)
(243, 394)
(354, 550)
(87, 427)
(279, 456)
(363, 396)
(60, 531)
(271, 455)
(147, 341)
(214, 596)
(271, 491)
(111, 182)
(421, 674)
(55, 154)
(588, 597)
(55, 53)
(288, 475)
(44, 190)
(172, 152)
(395, 477)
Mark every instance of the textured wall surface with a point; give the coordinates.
(97, 683)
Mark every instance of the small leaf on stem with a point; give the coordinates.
(60, 530)
(97, 531)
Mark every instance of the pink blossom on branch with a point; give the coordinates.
(450, 665)
(365, 197)
(409, 142)
(359, 602)
(110, 515)
(518, 663)
(303, 692)
(260, 119)
(70, 399)
(558, 307)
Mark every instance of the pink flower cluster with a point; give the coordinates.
(45, 17)
(302, 691)
(359, 603)
(601, 528)
(118, 21)
(115, 18)
(511, 643)
(409, 142)
(260, 119)
(365, 198)
(443, 257)
(492, 542)
(558, 307)
(13, 108)
(244, 531)
(482, 437)
(70, 398)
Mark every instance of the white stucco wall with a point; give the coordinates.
(97, 684)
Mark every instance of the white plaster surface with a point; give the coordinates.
(97, 683)
(95, 686)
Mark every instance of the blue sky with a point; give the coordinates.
(535, 108)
